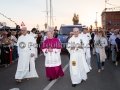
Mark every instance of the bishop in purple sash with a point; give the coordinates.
(52, 49)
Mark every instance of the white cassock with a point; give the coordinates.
(34, 35)
(26, 63)
(86, 38)
(79, 70)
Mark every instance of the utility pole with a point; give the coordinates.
(52, 16)
(105, 13)
(47, 12)
(50, 11)
(96, 20)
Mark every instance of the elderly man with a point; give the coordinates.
(112, 44)
(51, 49)
(26, 51)
(86, 40)
(78, 64)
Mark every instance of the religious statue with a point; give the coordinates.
(45, 25)
(75, 19)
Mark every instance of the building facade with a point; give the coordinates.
(110, 19)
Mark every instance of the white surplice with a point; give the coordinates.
(26, 63)
(86, 38)
(80, 70)
(52, 59)
(36, 52)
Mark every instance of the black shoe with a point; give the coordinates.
(73, 85)
(113, 62)
(82, 81)
(50, 79)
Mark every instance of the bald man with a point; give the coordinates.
(26, 50)
(78, 65)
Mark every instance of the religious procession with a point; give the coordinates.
(25, 47)
(59, 45)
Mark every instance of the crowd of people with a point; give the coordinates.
(8, 45)
(103, 44)
(112, 46)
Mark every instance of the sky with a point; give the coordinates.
(31, 12)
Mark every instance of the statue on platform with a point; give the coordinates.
(75, 19)
(45, 25)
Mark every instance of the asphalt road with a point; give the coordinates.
(109, 79)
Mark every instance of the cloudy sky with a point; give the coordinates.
(31, 11)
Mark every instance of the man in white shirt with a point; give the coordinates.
(112, 44)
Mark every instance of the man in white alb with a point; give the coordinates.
(26, 50)
(86, 40)
(32, 33)
(78, 65)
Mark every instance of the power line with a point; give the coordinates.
(110, 3)
(8, 18)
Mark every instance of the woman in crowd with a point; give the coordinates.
(100, 44)
(18, 34)
(5, 50)
(10, 37)
(15, 53)
(39, 38)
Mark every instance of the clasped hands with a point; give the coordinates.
(49, 50)
(79, 47)
(32, 54)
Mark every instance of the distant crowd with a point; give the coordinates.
(8, 45)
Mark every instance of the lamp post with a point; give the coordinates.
(47, 12)
(96, 20)
(105, 14)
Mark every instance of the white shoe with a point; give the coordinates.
(90, 68)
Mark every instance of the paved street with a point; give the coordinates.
(109, 79)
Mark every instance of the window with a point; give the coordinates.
(116, 24)
(117, 17)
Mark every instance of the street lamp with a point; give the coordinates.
(105, 13)
(96, 20)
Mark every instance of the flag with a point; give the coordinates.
(22, 24)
